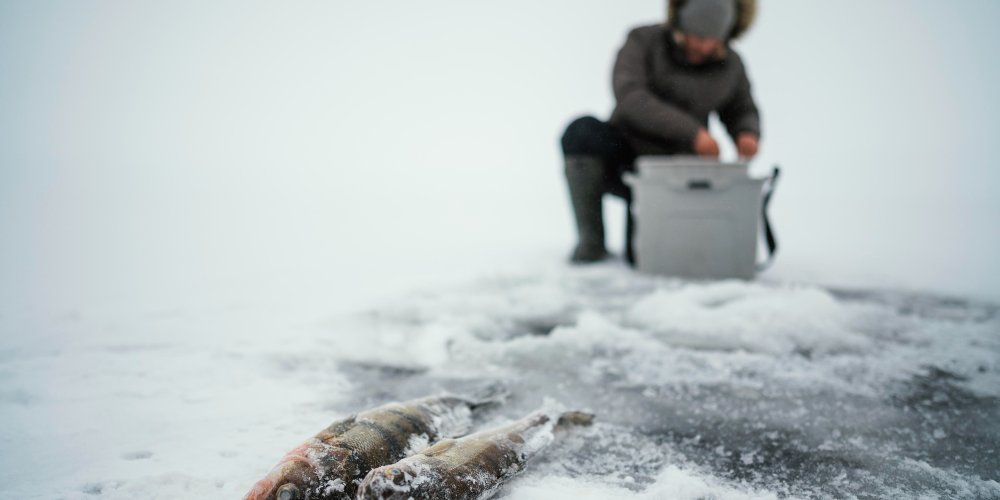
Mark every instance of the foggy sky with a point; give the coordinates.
(155, 152)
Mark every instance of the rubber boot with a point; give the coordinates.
(585, 177)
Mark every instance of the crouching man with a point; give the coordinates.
(668, 78)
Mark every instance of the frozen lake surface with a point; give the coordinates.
(701, 390)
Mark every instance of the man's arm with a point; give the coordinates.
(742, 119)
(641, 109)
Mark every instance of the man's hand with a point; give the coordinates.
(746, 145)
(705, 145)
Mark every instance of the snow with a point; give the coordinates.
(672, 482)
(841, 381)
(810, 319)
(224, 226)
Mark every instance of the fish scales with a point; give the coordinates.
(332, 463)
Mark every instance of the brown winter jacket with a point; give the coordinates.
(662, 100)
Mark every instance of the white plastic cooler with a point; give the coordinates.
(697, 218)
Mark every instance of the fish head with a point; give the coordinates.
(399, 481)
(287, 481)
(312, 470)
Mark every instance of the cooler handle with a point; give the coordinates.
(772, 243)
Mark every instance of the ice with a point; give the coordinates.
(801, 391)
(724, 390)
(750, 317)
(672, 482)
(802, 382)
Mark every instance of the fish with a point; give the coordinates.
(473, 467)
(331, 465)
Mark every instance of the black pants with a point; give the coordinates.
(588, 136)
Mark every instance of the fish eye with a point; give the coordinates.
(289, 491)
(398, 477)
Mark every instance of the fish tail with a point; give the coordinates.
(574, 419)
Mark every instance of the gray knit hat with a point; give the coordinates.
(707, 18)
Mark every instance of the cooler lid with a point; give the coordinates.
(674, 165)
(681, 171)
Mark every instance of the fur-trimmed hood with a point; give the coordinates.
(746, 10)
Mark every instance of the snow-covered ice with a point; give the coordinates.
(719, 390)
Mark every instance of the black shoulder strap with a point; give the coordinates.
(772, 243)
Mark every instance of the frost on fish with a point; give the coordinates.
(331, 465)
(471, 467)
(335, 486)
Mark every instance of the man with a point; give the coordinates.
(667, 80)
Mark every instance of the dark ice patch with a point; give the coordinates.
(938, 390)
(93, 489)
(949, 426)
(540, 327)
(381, 371)
(783, 460)
(503, 329)
(924, 305)
(137, 455)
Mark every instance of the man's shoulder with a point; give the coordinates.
(733, 58)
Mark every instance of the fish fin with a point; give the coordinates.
(346, 423)
(439, 447)
(493, 394)
(337, 428)
(574, 419)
